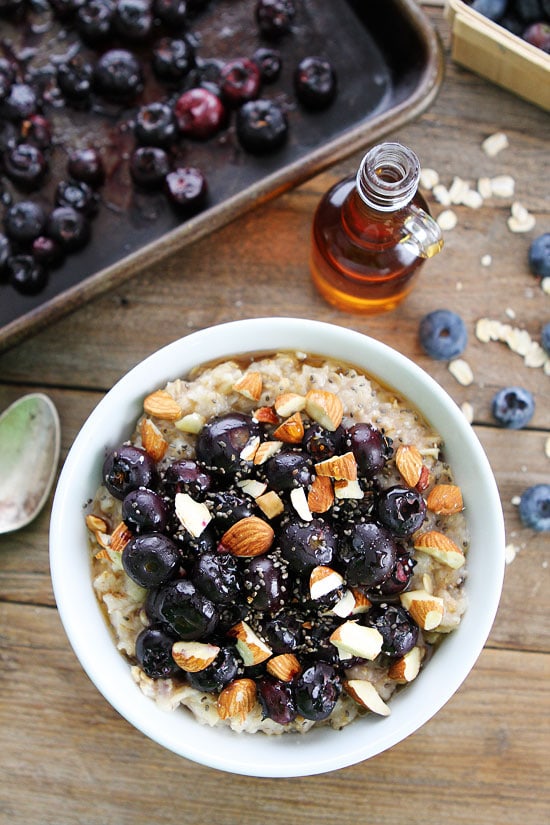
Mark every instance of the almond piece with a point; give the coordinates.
(266, 415)
(323, 580)
(340, 467)
(252, 649)
(284, 667)
(194, 656)
(348, 489)
(271, 504)
(252, 487)
(160, 404)
(440, 547)
(266, 450)
(193, 515)
(362, 603)
(291, 431)
(250, 449)
(321, 495)
(344, 606)
(120, 537)
(424, 479)
(191, 423)
(445, 499)
(250, 385)
(406, 668)
(357, 640)
(152, 439)
(427, 610)
(96, 524)
(299, 502)
(409, 463)
(366, 695)
(289, 403)
(237, 699)
(325, 408)
(248, 537)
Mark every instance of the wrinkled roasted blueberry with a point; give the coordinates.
(401, 510)
(262, 126)
(126, 468)
(24, 221)
(307, 544)
(78, 195)
(269, 62)
(217, 576)
(228, 507)
(94, 20)
(222, 439)
(172, 59)
(283, 632)
(321, 443)
(186, 189)
(186, 476)
(399, 631)
(155, 125)
(286, 470)
(264, 584)
(86, 165)
(173, 13)
(149, 166)
(317, 690)
(20, 102)
(206, 74)
(68, 227)
(37, 131)
(223, 670)
(187, 612)
(25, 165)
(133, 19)
(118, 75)
(274, 17)
(46, 251)
(154, 652)
(199, 113)
(315, 83)
(25, 274)
(369, 553)
(277, 700)
(240, 81)
(75, 78)
(144, 511)
(191, 547)
(370, 447)
(150, 559)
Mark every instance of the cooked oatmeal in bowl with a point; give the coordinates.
(279, 544)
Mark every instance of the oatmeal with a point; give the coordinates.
(280, 544)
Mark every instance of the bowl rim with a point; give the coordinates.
(288, 755)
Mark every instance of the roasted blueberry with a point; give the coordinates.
(20, 102)
(369, 553)
(150, 559)
(317, 690)
(155, 125)
(443, 334)
(37, 131)
(25, 274)
(223, 670)
(172, 59)
(26, 166)
(222, 439)
(186, 189)
(133, 19)
(173, 13)
(321, 443)
(538, 35)
(68, 227)
(539, 256)
(75, 79)
(228, 507)
(86, 165)
(513, 407)
(399, 631)
(262, 126)
(307, 544)
(269, 62)
(154, 652)
(5, 251)
(187, 612)
(199, 113)
(277, 700)
(118, 75)
(315, 83)
(24, 221)
(216, 575)
(46, 251)
(126, 468)
(287, 470)
(240, 81)
(398, 580)
(534, 507)
(283, 632)
(94, 20)
(274, 17)
(144, 511)
(401, 510)
(149, 166)
(264, 583)
(76, 194)
(370, 447)
(186, 476)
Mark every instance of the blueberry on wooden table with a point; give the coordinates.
(513, 407)
(534, 507)
(539, 256)
(443, 334)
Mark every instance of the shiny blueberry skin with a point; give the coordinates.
(25, 274)
(315, 83)
(78, 195)
(534, 507)
(186, 189)
(223, 670)
(262, 126)
(287, 470)
(118, 75)
(539, 256)
(68, 227)
(133, 20)
(173, 13)
(269, 62)
(321, 443)
(370, 448)
(20, 102)
(199, 113)
(126, 468)
(222, 439)
(443, 334)
(150, 559)
(94, 20)
(149, 166)
(24, 221)
(369, 553)
(144, 511)
(75, 79)
(46, 251)
(307, 544)
(187, 612)
(277, 700)
(401, 510)
(399, 631)
(283, 632)
(172, 59)
(513, 407)
(86, 165)
(155, 125)
(317, 690)
(228, 507)
(37, 131)
(186, 476)
(154, 652)
(240, 81)
(274, 17)
(397, 581)
(263, 582)
(26, 166)
(217, 576)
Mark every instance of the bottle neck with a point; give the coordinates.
(388, 177)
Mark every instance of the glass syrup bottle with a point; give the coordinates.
(372, 232)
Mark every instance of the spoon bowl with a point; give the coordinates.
(29, 454)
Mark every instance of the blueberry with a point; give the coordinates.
(223, 670)
(222, 439)
(304, 545)
(118, 75)
(154, 652)
(534, 507)
(216, 575)
(269, 62)
(264, 584)
(398, 629)
(68, 227)
(186, 476)
(144, 511)
(370, 448)
(513, 407)
(277, 700)
(321, 443)
(274, 17)
(133, 19)
(261, 126)
(315, 83)
(240, 81)
(74, 78)
(401, 510)
(369, 553)
(317, 690)
(76, 194)
(172, 13)
(172, 59)
(25, 274)
(545, 336)
(443, 334)
(37, 131)
(25, 165)
(151, 559)
(20, 103)
(186, 611)
(126, 468)
(94, 20)
(149, 166)
(46, 251)
(228, 507)
(493, 9)
(86, 165)
(539, 256)
(24, 221)
(186, 189)
(288, 469)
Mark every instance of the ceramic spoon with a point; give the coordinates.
(29, 453)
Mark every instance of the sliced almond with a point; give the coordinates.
(237, 699)
(250, 385)
(193, 515)
(357, 640)
(248, 452)
(321, 495)
(252, 487)
(362, 603)
(409, 462)
(323, 580)
(348, 489)
(152, 439)
(289, 403)
(344, 606)
(325, 408)
(266, 415)
(120, 537)
(194, 656)
(291, 431)
(160, 404)
(266, 450)
(445, 499)
(406, 668)
(440, 547)
(271, 504)
(424, 480)
(191, 423)
(96, 524)
(284, 667)
(427, 610)
(338, 467)
(366, 695)
(248, 537)
(299, 502)
(251, 647)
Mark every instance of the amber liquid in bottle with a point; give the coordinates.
(361, 257)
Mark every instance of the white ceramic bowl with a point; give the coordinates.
(322, 749)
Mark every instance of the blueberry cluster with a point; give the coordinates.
(529, 19)
(142, 59)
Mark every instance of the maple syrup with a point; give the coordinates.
(372, 232)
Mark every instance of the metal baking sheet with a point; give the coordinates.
(389, 64)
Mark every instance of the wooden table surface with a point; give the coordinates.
(65, 756)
